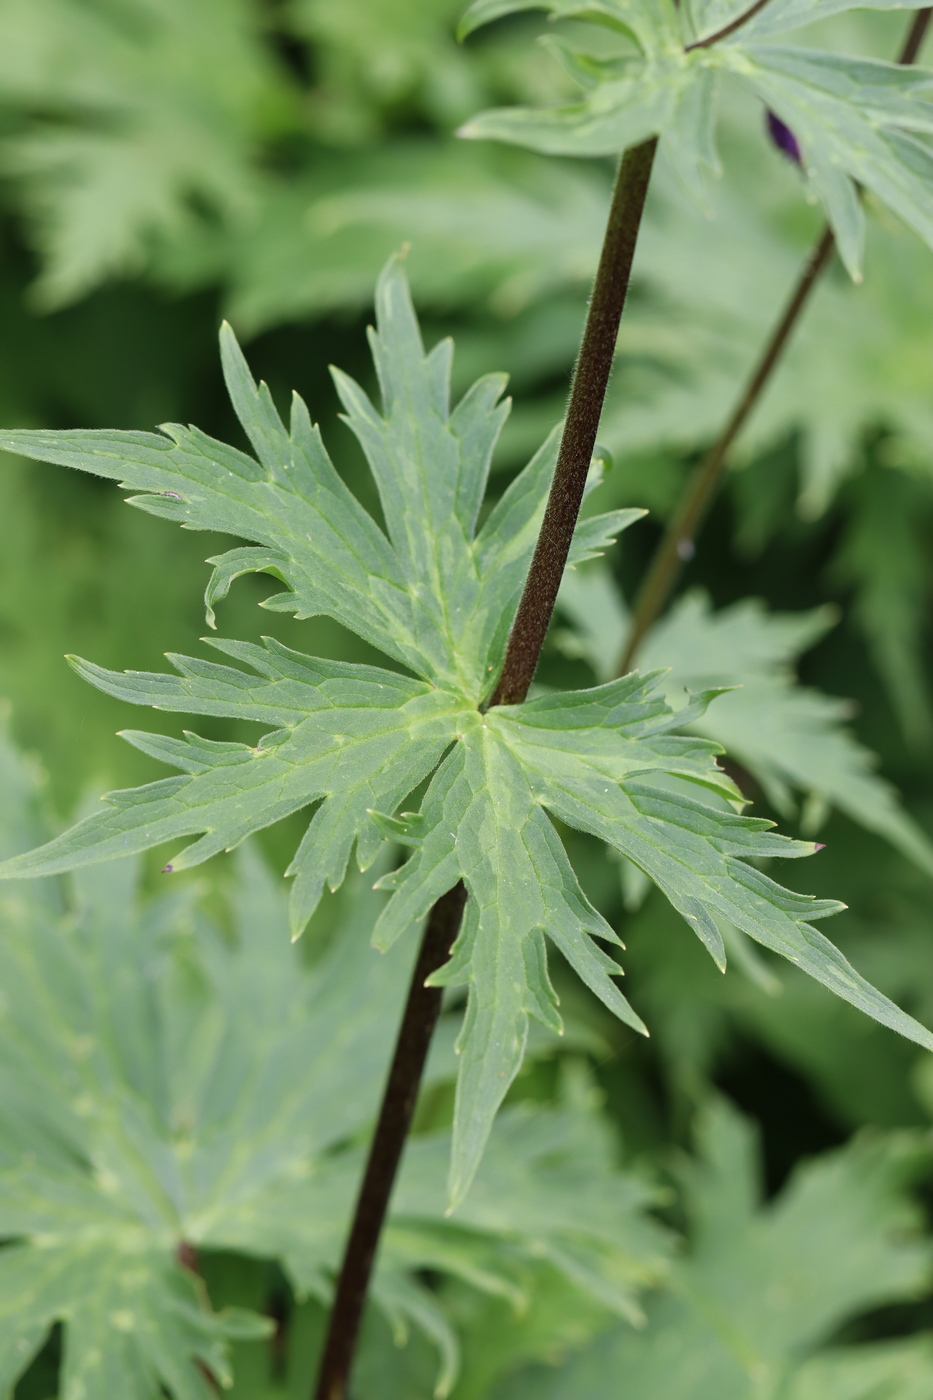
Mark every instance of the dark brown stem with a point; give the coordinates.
(525, 642)
(676, 547)
(728, 29)
(398, 1105)
(916, 36)
(587, 392)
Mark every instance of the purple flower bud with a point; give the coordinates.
(784, 138)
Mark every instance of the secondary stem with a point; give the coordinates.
(728, 29)
(676, 546)
(916, 36)
(525, 642)
(587, 393)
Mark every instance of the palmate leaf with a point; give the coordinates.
(125, 113)
(136, 1117)
(438, 595)
(790, 738)
(857, 121)
(765, 1286)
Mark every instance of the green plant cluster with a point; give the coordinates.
(737, 1207)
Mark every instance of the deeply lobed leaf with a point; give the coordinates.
(839, 1240)
(788, 738)
(437, 592)
(136, 1118)
(857, 121)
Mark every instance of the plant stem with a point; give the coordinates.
(676, 546)
(525, 642)
(395, 1114)
(728, 28)
(587, 392)
(916, 36)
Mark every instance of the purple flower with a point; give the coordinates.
(784, 138)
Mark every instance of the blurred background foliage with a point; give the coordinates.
(166, 163)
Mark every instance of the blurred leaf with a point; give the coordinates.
(136, 1118)
(137, 109)
(711, 285)
(380, 53)
(855, 120)
(899, 1370)
(439, 596)
(789, 738)
(501, 228)
(765, 1287)
(883, 555)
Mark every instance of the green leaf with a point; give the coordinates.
(568, 1205)
(882, 556)
(644, 22)
(492, 228)
(764, 1287)
(902, 1370)
(780, 15)
(716, 282)
(858, 121)
(372, 59)
(135, 1117)
(438, 595)
(124, 115)
(788, 737)
(358, 737)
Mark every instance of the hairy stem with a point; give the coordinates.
(587, 392)
(395, 1114)
(525, 642)
(677, 544)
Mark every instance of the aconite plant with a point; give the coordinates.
(459, 600)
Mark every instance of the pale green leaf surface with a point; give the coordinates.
(650, 24)
(764, 1287)
(560, 1204)
(135, 1115)
(356, 736)
(481, 821)
(434, 602)
(717, 283)
(490, 226)
(790, 738)
(710, 16)
(125, 114)
(854, 118)
(898, 1370)
(882, 556)
(440, 597)
(778, 16)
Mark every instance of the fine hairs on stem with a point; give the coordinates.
(524, 648)
(676, 546)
